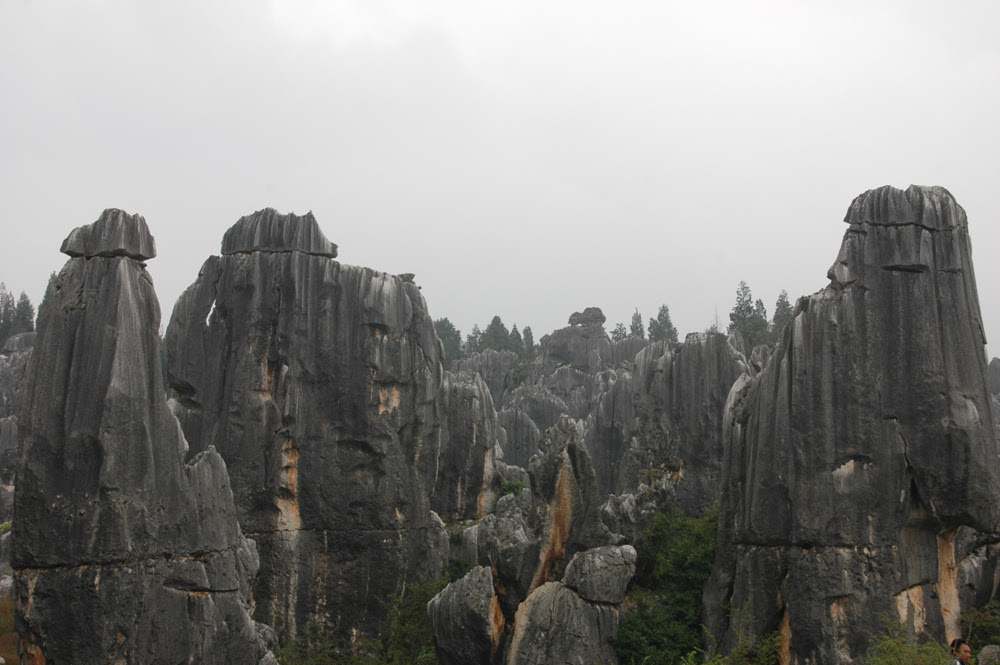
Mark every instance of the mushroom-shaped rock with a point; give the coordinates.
(592, 316)
(115, 233)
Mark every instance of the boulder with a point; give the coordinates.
(855, 456)
(466, 620)
(125, 552)
(320, 385)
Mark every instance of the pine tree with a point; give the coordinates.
(782, 314)
(47, 300)
(7, 309)
(529, 342)
(619, 333)
(637, 329)
(496, 336)
(516, 343)
(662, 327)
(450, 338)
(473, 341)
(749, 317)
(24, 315)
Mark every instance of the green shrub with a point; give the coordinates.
(509, 487)
(5, 527)
(982, 625)
(895, 647)
(674, 561)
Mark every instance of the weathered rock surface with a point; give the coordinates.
(863, 446)
(557, 573)
(467, 482)
(495, 368)
(679, 398)
(522, 436)
(319, 383)
(995, 376)
(13, 368)
(124, 553)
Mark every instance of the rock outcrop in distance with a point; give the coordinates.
(550, 578)
(320, 384)
(124, 552)
(859, 458)
(14, 357)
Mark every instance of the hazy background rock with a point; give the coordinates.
(123, 552)
(679, 398)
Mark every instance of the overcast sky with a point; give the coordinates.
(526, 159)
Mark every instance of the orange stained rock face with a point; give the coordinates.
(562, 518)
(388, 398)
(498, 623)
(288, 501)
(947, 584)
(34, 653)
(785, 647)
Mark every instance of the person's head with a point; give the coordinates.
(961, 650)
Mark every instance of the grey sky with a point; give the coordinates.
(526, 159)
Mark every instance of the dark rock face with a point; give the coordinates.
(556, 575)
(855, 456)
(319, 384)
(466, 472)
(679, 397)
(124, 553)
(495, 368)
(995, 376)
(522, 436)
(13, 368)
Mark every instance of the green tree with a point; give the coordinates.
(473, 341)
(637, 329)
(662, 327)
(516, 342)
(7, 308)
(529, 343)
(47, 300)
(24, 315)
(619, 333)
(674, 561)
(782, 314)
(450, 338)
(496, 336)
(749, 317)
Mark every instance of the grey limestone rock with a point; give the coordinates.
(466, 620)
(555, 626)
(874, 404)
(14, 358)
(994, 372)
(269, 231)
(557, 572)
(591, 316)
(495, 368)
(320, 385)
(115, 233)
(466, 480)
(522, 436)
(679, 394)
(601, 574)
(124, 552)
